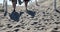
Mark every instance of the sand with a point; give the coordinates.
(41, 18)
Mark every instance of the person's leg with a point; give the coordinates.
(36, 2)
(5, 7)
(26, 2)
(14, 5)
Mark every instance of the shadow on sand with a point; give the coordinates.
(15, 15)
(32, 13)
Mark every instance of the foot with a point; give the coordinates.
(5, 13)
(26, 9)
(37, 4)
(14, 10)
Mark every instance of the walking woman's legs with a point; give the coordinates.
(26, 2)
(14, 4)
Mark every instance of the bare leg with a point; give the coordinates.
(5, 7)
(26, 4)
(14, 5)
(36, 2)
